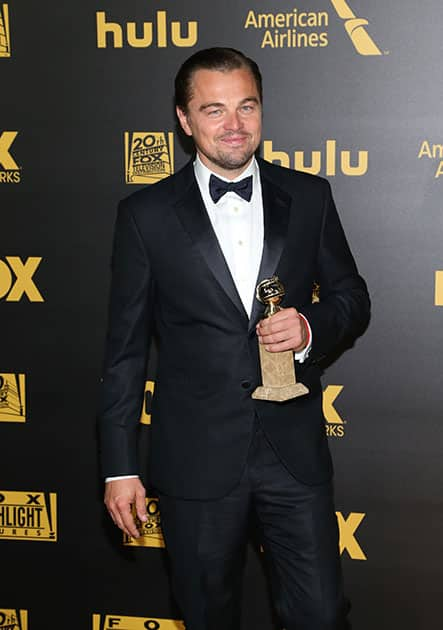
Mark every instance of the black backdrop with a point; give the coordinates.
(353, 91)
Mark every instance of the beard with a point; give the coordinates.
(231, 159)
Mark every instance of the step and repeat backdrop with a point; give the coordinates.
(353, 92)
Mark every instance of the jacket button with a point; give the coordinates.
(246, 384)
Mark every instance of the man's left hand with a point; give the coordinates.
(285, 330)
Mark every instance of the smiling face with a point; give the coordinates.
(224, 118)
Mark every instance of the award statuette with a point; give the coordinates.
(277, 368)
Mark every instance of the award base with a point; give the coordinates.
(278, 376)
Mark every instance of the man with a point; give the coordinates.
(188, 254)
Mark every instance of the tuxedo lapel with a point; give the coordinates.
(276, 204)
(195, 220)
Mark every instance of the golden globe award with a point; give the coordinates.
(277, 368)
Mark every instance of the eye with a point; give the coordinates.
(214, 113)
(247, 108)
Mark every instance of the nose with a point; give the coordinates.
(232, 121)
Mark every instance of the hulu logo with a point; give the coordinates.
(328, 160)
(159, 32)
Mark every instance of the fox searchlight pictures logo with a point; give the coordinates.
(309, 29)
(11, 619)
(28, 515)
(5, 38)
(149, 156)
(12, 398)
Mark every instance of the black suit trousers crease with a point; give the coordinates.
(206, 541)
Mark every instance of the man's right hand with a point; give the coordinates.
(120, 496)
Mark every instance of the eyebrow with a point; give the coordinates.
(248, 99)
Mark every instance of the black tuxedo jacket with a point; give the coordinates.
(170, 280)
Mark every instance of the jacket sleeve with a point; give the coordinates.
(344, 308)
(127, 344)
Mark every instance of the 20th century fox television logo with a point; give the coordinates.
(5, 37)
(28, 515)
(149, 156)
(12, 398)
(12, 619)
(150, 532)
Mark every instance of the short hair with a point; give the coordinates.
(220, 59)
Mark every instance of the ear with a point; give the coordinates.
(183, 120)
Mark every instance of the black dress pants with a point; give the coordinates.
(206, 542)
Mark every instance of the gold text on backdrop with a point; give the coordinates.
(5, 37)
(149, 156)
(11, 171)
(153, 33)
(24, 283)
(432, 152)
(325, 162)
(356, 29)
(116, 622)
(348, 542)
(28, 515)
(12, 398)
(13, 619)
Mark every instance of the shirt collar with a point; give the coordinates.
(203, 173)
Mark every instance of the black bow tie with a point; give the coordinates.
(218, 187)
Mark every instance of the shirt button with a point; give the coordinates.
(240, 243)
(246, 384)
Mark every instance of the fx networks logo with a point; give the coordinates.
(439, 288)
(11, 619)
(28, 515)
(12, 398)
(326, 161)
(432, 152)
(9, 169)
(145, 34)
(5, 39)
(16, 279)
(116, 622)
(309, 29)
(151, 532)
(149, 157)
(348, 528)
(335, 425)
(147, 403)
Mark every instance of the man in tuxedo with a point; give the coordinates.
(188, 254)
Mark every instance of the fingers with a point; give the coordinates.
(120, 496)
(140, 506)
(123, 518)
(285, 330)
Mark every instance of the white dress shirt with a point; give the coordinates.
(238, 225)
